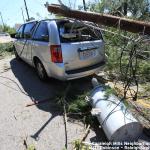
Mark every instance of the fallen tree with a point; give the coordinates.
(103, 19)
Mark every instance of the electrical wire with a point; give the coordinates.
(130, 73)
(15, 84)
(14, 88)
(111, 112)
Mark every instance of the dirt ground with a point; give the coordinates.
(41, 125)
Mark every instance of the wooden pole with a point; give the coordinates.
(84, 5)
(103, 19)
(26, 10)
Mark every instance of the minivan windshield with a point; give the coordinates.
(70, 31)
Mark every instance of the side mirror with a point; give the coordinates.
(27, 35)
(45, 37)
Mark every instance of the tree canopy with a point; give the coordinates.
(7, 29)
(139, 9)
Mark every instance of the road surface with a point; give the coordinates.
(41, 125)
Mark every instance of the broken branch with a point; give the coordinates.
(37, 102)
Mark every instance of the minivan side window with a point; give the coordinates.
(41, 33)
(19, 33)
(29, 27)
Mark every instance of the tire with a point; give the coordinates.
(41, 72)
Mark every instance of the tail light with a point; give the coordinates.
(56, 53)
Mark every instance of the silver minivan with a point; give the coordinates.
(61, 48)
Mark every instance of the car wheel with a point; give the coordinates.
(40, 70)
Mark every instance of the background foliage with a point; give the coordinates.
(7, 29)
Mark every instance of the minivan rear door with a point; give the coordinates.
(81, 46)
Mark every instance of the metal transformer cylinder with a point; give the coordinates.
(115, 119)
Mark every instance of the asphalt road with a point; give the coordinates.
(41, 125)
(6, 39)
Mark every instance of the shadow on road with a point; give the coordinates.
(36, 89)
(39, 91)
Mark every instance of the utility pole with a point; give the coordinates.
(126, 24)
(23, 15)
(84, 5)
(26, 10)
(2, 20)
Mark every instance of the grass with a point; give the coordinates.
(78, 103)
(6, 49)
(80, 146)
(76, 106)
(75, 101)
(31, 147)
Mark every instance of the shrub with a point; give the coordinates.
(6, 48)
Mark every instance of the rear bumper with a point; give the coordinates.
(58, 71)
(84, 74)
(75, 71)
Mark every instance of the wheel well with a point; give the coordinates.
(35, 59)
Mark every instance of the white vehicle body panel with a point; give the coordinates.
(82, 58)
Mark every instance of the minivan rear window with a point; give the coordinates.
(70, 31)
